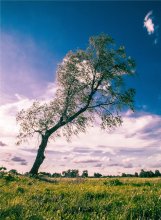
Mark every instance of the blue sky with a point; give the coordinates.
(36, 35)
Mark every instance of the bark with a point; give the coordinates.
(40, 156)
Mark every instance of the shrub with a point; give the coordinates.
(9, 177)
(97, 175)
(3, 168)
(13, 171)
(20, 190)
(114, 182)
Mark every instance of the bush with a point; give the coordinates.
(97, 175)
(20, 190)
(114, 182)
(9, 177)
(3, 168)
(2, 171)
(13, 212)
(13, 171)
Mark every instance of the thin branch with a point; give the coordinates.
(101, 104)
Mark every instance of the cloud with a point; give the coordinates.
(114, 164)
(8, 126)
(26, 68)
(98, 165)
(2, 144)
(150, 26)
(87, 160)
(24, 163)
(82, 150)
(18, 159)
(8, 111)
(156, 165)
(148, 23)
(49, 91)
(130, 165)
(53, 152)
(123, 149)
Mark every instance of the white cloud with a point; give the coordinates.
(150, 26)
(148, 15)
(49, 92)
(148, 23)
(8, 126)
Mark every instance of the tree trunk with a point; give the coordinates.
(40, 156)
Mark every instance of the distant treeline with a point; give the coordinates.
(143, 173)
(73, 173)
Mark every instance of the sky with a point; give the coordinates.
(34, 38)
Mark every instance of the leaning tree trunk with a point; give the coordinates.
(40, 156)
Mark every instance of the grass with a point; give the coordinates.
(25, 198)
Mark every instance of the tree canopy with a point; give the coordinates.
(90, 84)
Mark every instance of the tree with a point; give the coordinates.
(71, 173)
(157, 173)
(124, 175)
(56, 175)
(90, 86)
(85, 173)
(45, 174)
(148, 173)
(143, 173)
(136, 174)
(3, 169)
(97, 175)
(13, 171)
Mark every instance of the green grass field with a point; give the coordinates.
(72, 199)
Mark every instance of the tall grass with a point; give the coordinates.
(125, 198)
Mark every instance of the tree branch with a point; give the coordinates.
(100, 105)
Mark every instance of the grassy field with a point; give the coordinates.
(126, 198)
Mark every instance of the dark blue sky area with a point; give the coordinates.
(64, 26)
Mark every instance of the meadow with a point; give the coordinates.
(26, 198)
